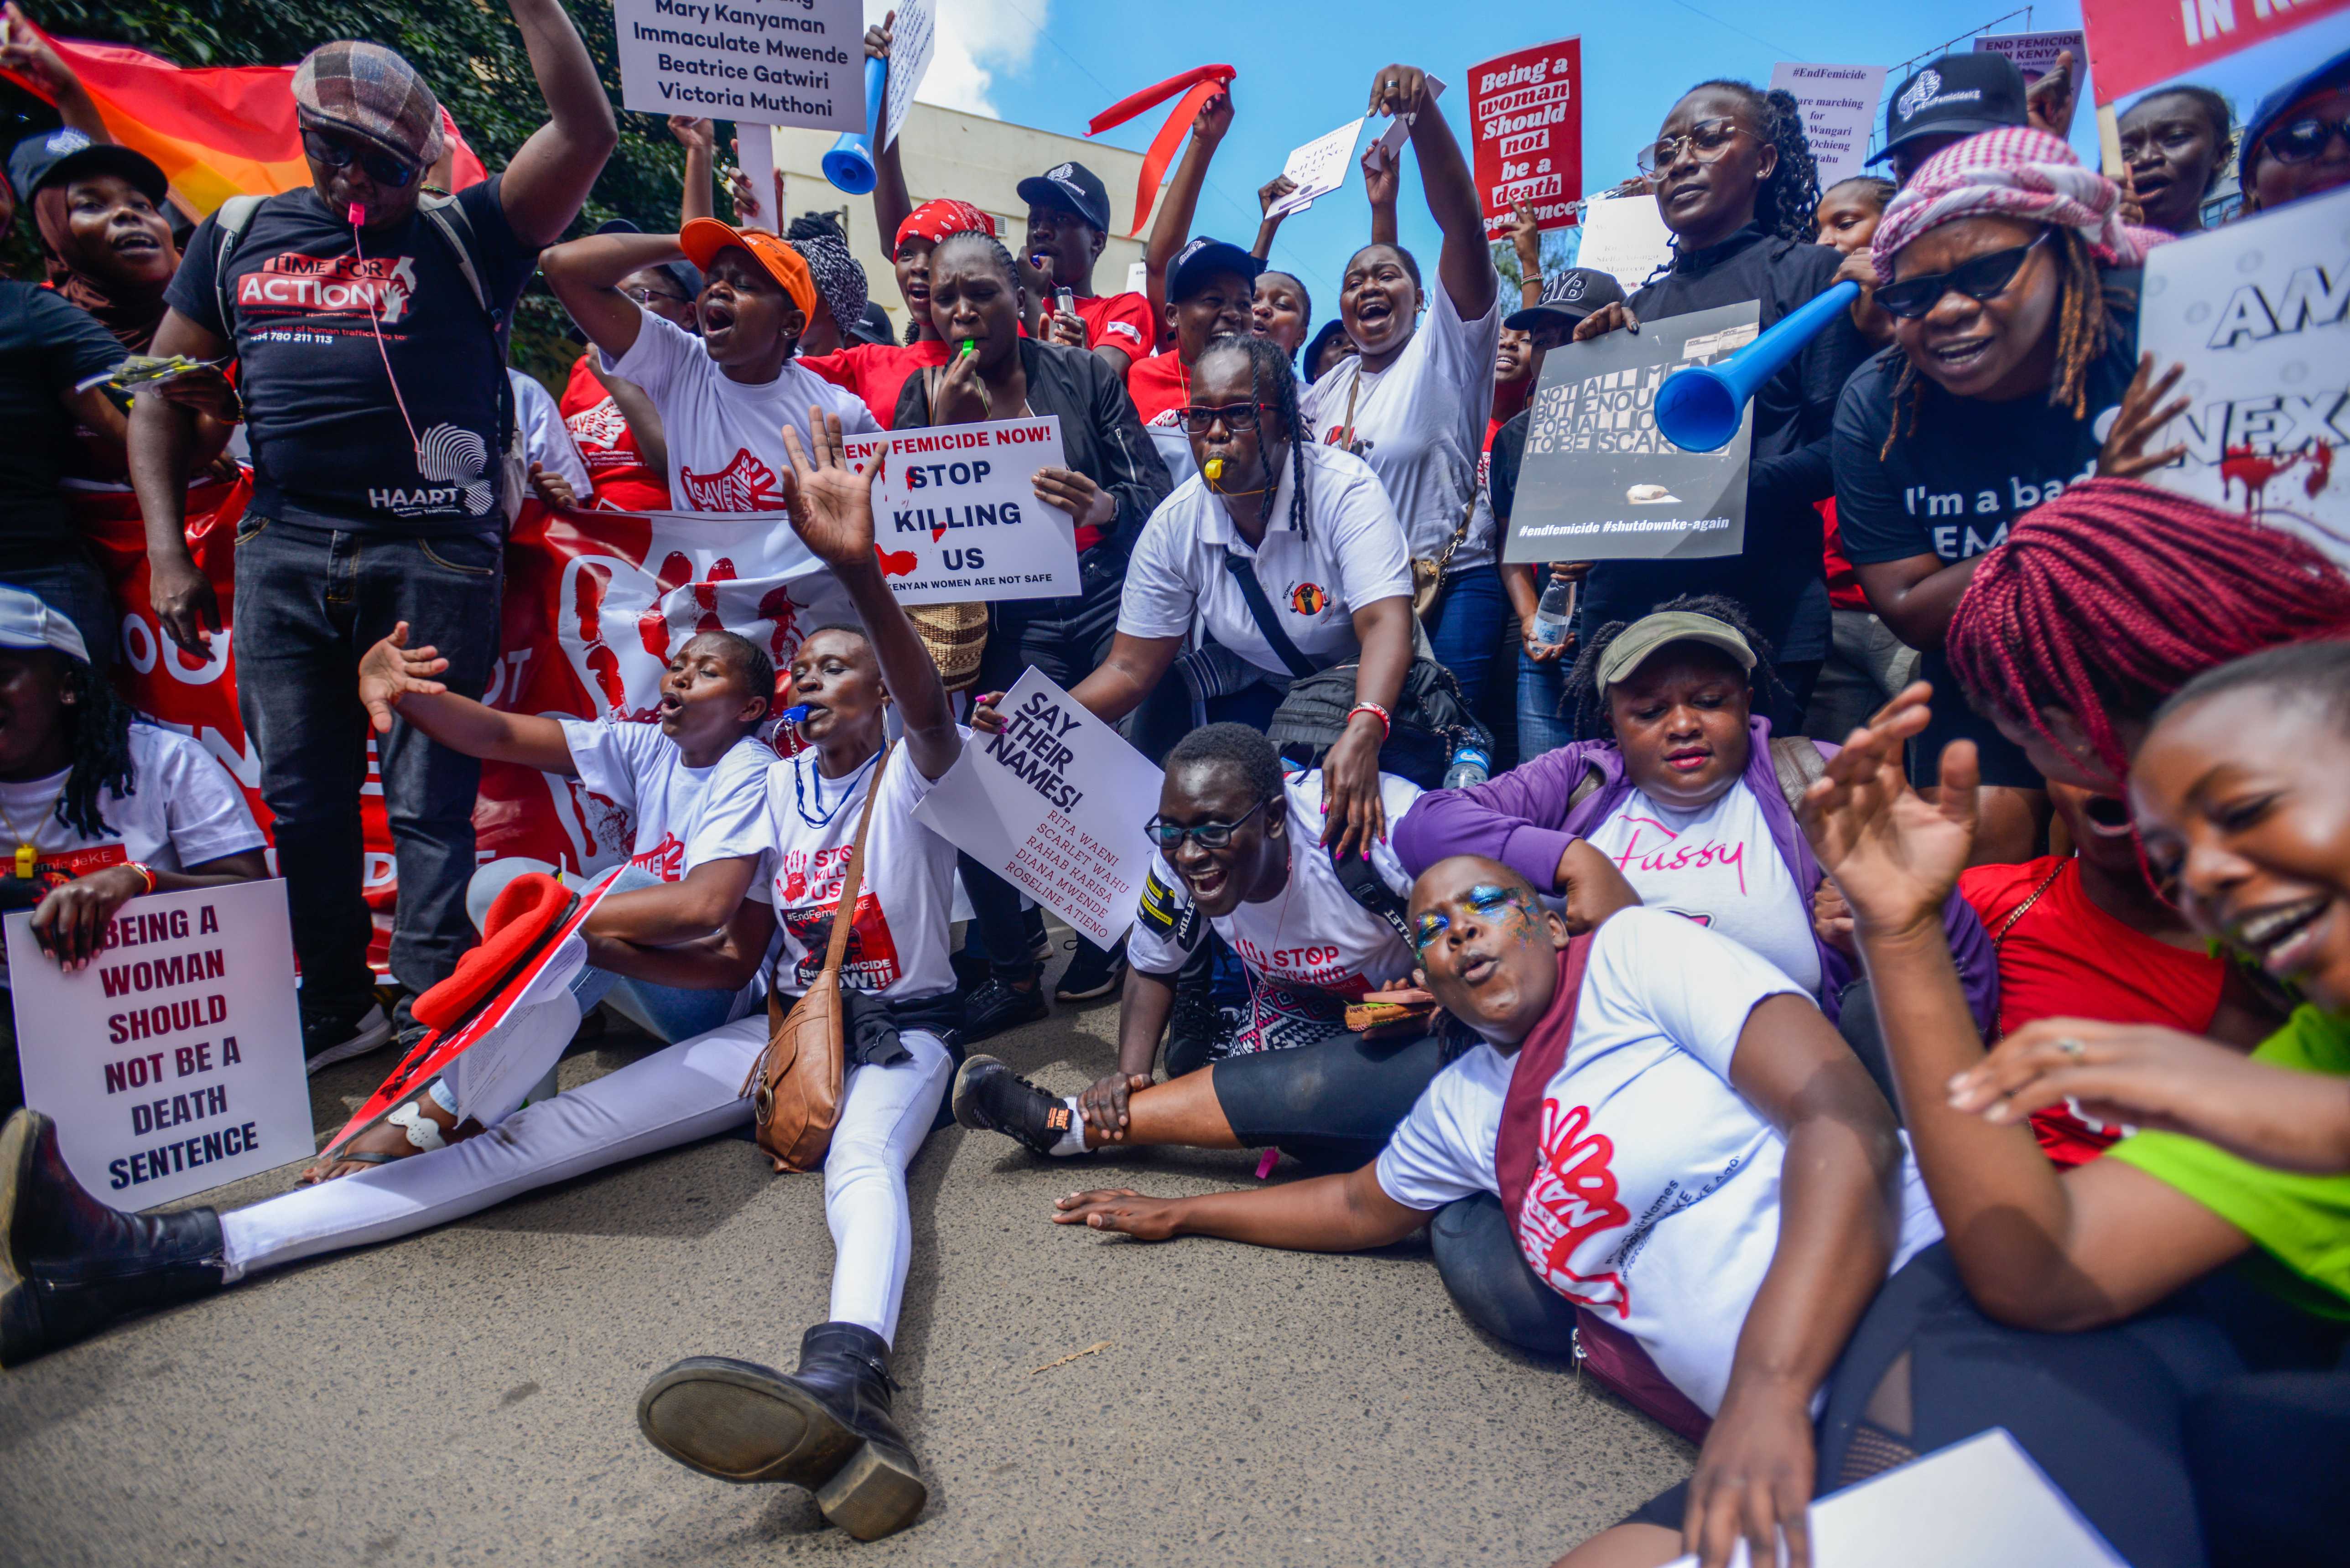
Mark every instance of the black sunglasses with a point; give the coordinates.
(1198, 420)
(1985, 277)
(1170, 835)
(2303, 139)
(381, 166)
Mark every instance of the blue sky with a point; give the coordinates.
(1305, 65)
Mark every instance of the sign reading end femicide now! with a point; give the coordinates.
(762, 62)
(172, 1064)
(956, 516)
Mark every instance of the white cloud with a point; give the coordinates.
(977, 40)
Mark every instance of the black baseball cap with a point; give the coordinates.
(1571, 295)
(66, 154)
(1072, 188)
(2271, 110)
(1957, 95)
(873, 327)
(1202, 259)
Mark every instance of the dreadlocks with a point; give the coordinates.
(1272, 385)
(1581, 684)
(100, 722)
(2106, 601)
(1784, 202)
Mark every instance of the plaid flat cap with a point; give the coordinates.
(372, 92)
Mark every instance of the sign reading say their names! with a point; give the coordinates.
(956, 514)
(172, 1062)
(1057, 805)
(765, 62)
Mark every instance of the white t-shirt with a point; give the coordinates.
(1719, 868)
(546, 440)
(642, 772)
(1352, 555)
(1421, 422)
(184, 809)
(802, 827)
(725, 438)
(1656, 1200)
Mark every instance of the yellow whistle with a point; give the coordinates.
(27, 862)
(1213, 468)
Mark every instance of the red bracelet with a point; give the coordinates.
(146, 873)
(1387, 723)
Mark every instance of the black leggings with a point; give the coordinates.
(1333, 1103)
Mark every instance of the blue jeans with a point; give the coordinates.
(309, 601)
(1543, 726)
(1466, 634)
(77, 590)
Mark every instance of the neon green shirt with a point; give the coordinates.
(2302, 1222)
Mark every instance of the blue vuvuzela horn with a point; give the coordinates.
(1698, 409)
(849, 164)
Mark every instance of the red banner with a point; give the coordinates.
(1525, 108)
(2138, 43)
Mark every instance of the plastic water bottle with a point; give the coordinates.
(1554, 613)
(1469, 766)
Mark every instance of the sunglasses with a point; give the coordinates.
(1170, 835)
(1985, 277)
(644, 296)
(381, 166)
(2302, 139)
(1705, 140)
(1198, 421)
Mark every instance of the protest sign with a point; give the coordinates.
(2256, 312)
(1599, 480)
(909, 58)
(172, 1064)
(1525, 109)
(768, 62)
(2139, 44)
(2034, 54)
(1056, 804)
(1393, 138)
(1625, 238)
(1839, 111)
(956, 516)
(1317, 169)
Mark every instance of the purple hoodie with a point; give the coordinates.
(1523, 820)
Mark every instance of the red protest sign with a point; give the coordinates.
(2138, 43)
(1526, 108)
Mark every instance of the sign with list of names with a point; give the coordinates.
(957, 518)
(910, 60)
(1839, 111)
(766, 62)
(172, 1062)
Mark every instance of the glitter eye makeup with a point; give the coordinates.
(1426, 928)
(1507, 906)
(1485, 897)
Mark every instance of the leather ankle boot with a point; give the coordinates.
(826, 1426)
(70, 1265)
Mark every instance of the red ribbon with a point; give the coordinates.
(1197, 84)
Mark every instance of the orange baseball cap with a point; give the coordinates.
(702, 238)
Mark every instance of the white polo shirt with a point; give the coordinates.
(1352, 554)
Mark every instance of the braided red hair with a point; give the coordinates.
(2106, 601)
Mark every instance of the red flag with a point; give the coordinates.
(1197, 84)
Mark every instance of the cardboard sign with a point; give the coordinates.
(1056, 804)
(1599, 480)
(2139, 44)
(1393, 138)
(1525, 108)
(172, 1064)
(765, 62)
(1625, 238)
(1839, 111)
(1317, 168)
(2259, 312)
(957, 518)
(909, 58)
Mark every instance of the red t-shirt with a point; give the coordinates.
(1158, 384)
(608, 448)
(1844, 582)
(1119, 321)
(2066, 958)
(877, 372)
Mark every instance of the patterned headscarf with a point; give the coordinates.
(372, 92)
(2017, 172)
(839, 280)
(934, 221)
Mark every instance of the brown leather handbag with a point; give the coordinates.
(795, 1083)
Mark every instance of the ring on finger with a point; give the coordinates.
(2072, 1048)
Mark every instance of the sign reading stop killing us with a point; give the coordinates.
(172, 1062)
(759, 62)
(1599, 482)
(956, 516)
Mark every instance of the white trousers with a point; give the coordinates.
(675, 1096)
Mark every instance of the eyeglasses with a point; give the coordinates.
(1705, 140)
(2300, 141)
(381, 166)
(1236, 417)
(1985, 277)
(646, 296)
(1170, 835)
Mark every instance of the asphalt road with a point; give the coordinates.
(467, 1395)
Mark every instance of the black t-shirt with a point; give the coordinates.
(328, 444)
(1502, 461)
(48, 348)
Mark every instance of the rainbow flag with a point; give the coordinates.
(216, 133)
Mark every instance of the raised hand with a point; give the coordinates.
(831, 504)
(694, 133)
(1273, 191)
(1380, 176)
(1894, 854)
(391, 670)
(2143, 412)
(1216, 118)
(1397, 91)
(1120, 1208)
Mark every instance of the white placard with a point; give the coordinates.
(754, 147)
(1393, 140)
(2255, 311)
(1318, 167)
(957, 517)
(1839, 111)
(172, 1064)
(768, 62)
(1138, 278)
(1625, 238)
(1976, 1502)
(1056, 804)
(912, 37)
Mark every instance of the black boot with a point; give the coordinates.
(826, 1426)
(70, 1265)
